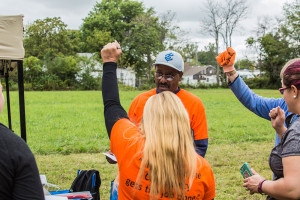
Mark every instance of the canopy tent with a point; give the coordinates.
(11, 58)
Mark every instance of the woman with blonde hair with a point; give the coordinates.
(157, 160)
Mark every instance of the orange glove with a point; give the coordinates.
(226, 59)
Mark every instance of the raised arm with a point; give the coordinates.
(113, 111)
(261, 106)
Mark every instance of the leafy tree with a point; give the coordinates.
(32, 70)
(112, 20)
(65, 68)
(245, 64)
(140, 33)
(264, 26)
(188, 52)
(208, 56)
(75, 40)
(47, 36)
(89, 76)
(143, 41)
(276, 52)
(278, 45)
(290, 26)
(109, 20)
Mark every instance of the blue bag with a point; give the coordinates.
(87, 180)
(113, 193)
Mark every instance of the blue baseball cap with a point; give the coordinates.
(170, 59)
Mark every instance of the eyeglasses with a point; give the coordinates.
(168, 77)
(281, 90)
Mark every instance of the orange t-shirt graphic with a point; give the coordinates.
(127, 145)
(192, 104)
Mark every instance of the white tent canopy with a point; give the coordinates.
(11, 58)
(11, 37)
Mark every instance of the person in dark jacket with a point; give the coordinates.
(19, 175)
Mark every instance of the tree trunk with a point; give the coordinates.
(217, 53)
(149, 62)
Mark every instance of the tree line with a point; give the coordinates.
(52, 60)
(276, 40)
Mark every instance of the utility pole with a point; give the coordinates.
(196, 55)
(196, 44)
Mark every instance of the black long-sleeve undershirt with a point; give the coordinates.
(113, 111)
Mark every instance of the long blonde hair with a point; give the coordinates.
(168, 150)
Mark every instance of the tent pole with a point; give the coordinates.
(21, 99)
(8, 100)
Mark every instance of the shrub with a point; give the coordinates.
(146, 86)
(27, 86)
(125, 87)
(199, 85)
(258, 83)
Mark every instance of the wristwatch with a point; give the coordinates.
(231, 73)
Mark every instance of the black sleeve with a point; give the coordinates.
(113, 111)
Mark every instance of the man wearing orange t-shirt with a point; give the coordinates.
(169, 68)
(126, 142)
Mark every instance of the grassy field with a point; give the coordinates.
(66, 132)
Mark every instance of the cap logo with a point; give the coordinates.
(168, 57)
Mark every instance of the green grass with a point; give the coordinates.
(64, 122)
(66, 132)
(225, 159)
(229, 121)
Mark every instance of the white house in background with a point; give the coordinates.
(126, 76)
(88, 55)
(246, 73)
(193, 75)
(97, 64)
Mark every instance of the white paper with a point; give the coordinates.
(43, 179)
(111, 156)
(53, 197)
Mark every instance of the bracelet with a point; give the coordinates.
(231, 73)
(259, 187)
